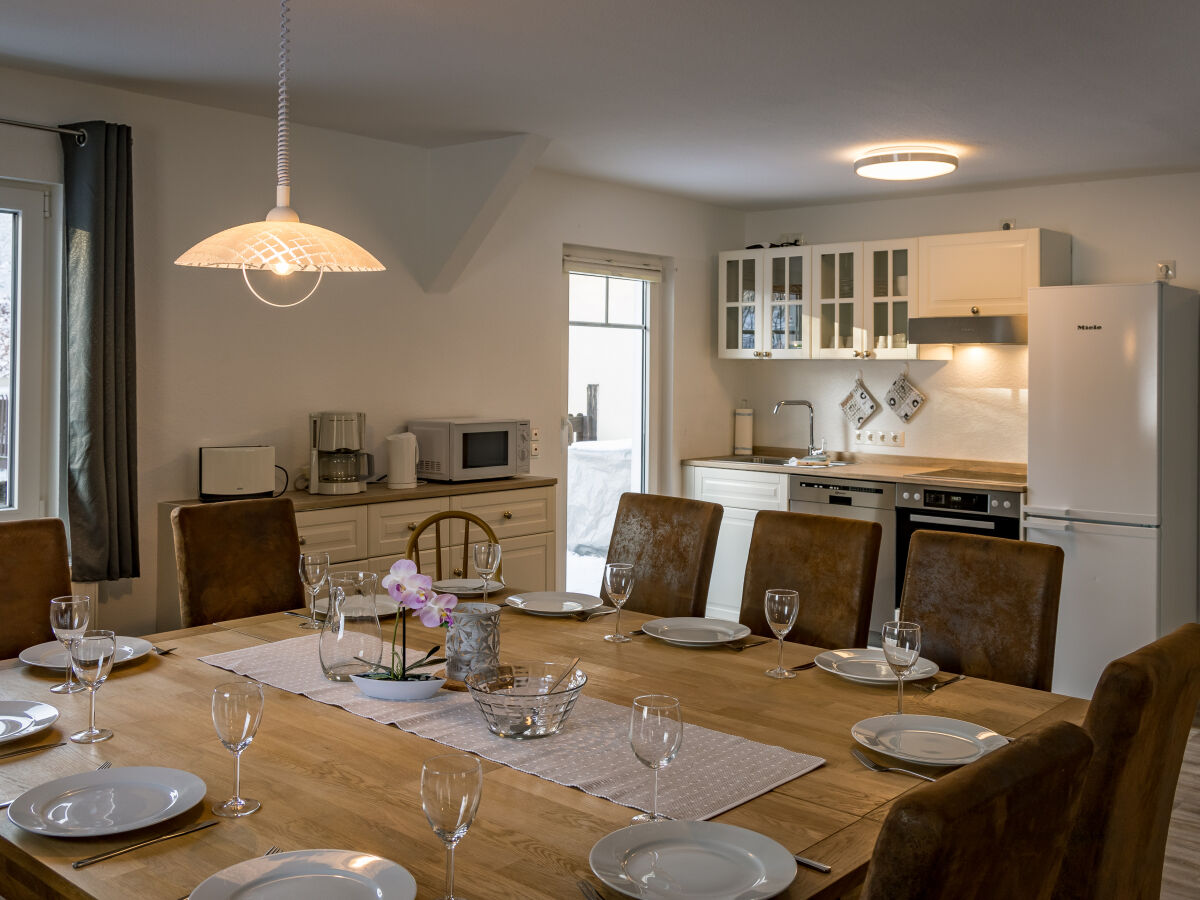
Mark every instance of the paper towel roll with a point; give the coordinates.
(743, 432)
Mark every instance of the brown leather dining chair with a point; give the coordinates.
(34, 569)
(1139, 719)
(992, 830)
(237, 558)
(831, 562)
(436, 521)
(987, 607)
(670, 541)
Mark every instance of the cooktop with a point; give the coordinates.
(972, 475)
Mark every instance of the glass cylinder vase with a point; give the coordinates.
(351, 639)
(473, 643)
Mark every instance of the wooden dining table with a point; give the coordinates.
(330, 779)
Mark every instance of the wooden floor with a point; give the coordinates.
(1181, 870)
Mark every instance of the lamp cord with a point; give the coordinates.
(282, 170)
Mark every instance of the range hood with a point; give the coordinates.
(969, 330)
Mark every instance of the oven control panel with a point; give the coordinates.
(952, 499)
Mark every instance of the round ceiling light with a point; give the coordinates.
(906, 163)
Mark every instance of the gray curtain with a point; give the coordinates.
(99, 364)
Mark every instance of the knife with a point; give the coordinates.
(79, 864)
(813, 864)
(32, 749)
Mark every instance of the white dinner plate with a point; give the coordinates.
(107, 801)
(310, 875)
(867, 666)
(384, 605)
(690, 631)
(700, 860)
(19, 718)
(466, 587)
(931, 740)
(553, 603)
(53, 655)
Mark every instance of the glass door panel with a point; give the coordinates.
(887, 268)
(837, 295)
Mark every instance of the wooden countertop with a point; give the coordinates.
(875, 467)
(327, 778)
(381, 493)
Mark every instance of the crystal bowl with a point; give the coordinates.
(516, 699)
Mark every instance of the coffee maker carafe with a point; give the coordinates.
(339, 461)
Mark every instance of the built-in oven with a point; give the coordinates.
(934, 507)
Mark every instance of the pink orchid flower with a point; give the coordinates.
(437, 609)
(406, 585)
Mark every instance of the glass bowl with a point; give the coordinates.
(516, 700)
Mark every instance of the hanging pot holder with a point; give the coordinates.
(903, 399)
(859, 405)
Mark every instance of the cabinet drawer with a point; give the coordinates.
(342, 533)
(740, 489)
(527, 562)
(390, 524)
(510, 513)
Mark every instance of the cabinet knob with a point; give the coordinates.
(507, 514)
(303, 542)
(412, 526)
(857, 354)
(766, 354)
(757, 354)
(458, 573)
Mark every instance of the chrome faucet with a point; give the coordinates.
(812, 447)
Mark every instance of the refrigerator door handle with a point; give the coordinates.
(1047, 525)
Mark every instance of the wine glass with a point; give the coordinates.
(487, 561)
(314, 569)
(781, 608)
(68, 619)
(655, 733)
(450, 789)
(92, 659)
(901, 649)
(236, 711)
(618, 581)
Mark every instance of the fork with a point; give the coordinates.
(163, 651)
(876, 767)
(938, 685)
(738, 648)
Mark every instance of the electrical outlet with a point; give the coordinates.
(535, 434)
(879, 438)
(894, 438)
(535, 449)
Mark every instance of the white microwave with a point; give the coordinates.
(471, 449)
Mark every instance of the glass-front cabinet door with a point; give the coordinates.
(785, 320)
(740, 289)
(890, 283)
(837, 297)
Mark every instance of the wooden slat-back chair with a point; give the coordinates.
(412, 549)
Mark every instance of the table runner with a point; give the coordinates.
(714, 771)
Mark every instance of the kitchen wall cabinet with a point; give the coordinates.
(991, 271)
(854, 300)
(764, 304)
(742, 494)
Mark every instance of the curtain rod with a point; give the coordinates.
(80, 136)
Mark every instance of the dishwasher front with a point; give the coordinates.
(868, 501)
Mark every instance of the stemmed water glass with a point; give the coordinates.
(618, 581)
(314, 569)
(655, 733)
(901, 649)
(68, 619)
(781, 607)
(92, 659)
(487, 561)
(236, 711)
(450, 789)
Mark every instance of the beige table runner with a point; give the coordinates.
(713, 772)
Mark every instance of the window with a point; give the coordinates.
(28, 387)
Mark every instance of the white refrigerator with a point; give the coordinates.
(1113, 410)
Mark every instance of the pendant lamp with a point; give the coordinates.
(282, 243)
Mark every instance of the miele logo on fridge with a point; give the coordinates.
(1088, 327)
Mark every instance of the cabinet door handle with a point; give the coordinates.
(507, 514)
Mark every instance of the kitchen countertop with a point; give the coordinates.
(878, 467)
(381, 493)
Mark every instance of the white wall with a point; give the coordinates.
(977, 401)
(216, 366)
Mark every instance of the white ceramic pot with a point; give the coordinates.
(381, 689)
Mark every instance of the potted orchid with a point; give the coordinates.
(414, 594)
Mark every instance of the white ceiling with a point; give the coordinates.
(746, 103)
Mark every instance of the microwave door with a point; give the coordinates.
(484, 451)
